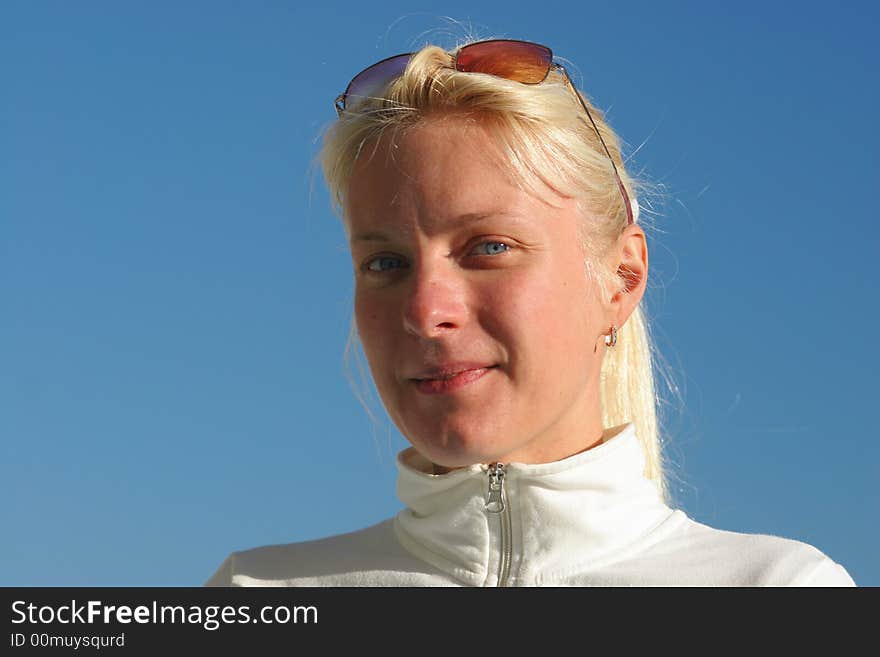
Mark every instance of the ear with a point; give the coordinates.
(630, 261)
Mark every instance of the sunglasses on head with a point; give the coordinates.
(519, 61)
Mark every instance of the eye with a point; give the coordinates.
(383, 263)
(492, 247)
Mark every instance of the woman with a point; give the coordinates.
(499, 268)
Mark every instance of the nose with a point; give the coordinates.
(435, 303)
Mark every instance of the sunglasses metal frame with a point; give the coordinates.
(340, 103)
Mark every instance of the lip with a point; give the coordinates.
(451, 368)
(459, 379)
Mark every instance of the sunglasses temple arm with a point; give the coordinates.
(629, 212)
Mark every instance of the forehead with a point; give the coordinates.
(446, 166)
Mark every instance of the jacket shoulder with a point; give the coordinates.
(366, 557)
(702, 555)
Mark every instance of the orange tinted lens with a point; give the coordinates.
(519, 61)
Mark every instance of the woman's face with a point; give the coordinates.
(458, 273)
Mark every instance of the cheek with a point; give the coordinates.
(373, 325)
(543, 319)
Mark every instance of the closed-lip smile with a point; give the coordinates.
(449, 370)
(450, 377)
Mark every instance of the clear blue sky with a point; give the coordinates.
(175, 292)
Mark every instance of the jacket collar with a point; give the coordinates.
(559, 518)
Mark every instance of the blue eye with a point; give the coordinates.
(386, 263)
(494, 251)
(383, 263)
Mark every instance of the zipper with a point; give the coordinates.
(495, 504)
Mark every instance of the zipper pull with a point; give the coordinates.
(495, 500)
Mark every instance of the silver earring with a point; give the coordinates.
(611, 338)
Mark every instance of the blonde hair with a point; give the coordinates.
(549, 144)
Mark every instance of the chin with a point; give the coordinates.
(454, 449)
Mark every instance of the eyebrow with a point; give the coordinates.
(467, 218)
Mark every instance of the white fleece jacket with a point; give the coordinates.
(592, 519)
